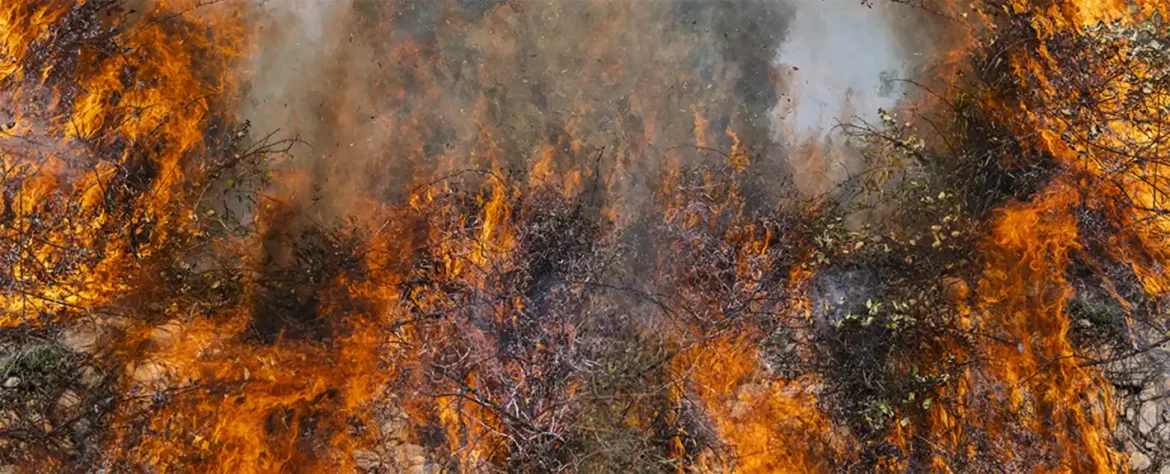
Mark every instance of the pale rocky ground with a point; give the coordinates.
(1144, 422)
(1141, 385)
(395, 454)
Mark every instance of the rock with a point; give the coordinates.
(1147, 417)
(413, 458)
(148, 373)
(1138, 461)
(69, 401)
(164, 336)
(12, 382)
(956, 289)
(393, 427)
(80, 339)
(90, 377)
(366, 460)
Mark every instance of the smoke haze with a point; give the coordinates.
(386, 95)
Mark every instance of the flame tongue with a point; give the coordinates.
(1029, 378)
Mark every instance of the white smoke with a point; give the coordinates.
(842, 60)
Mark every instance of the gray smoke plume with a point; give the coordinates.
(841, 63)
(390, 94)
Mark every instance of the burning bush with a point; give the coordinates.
(181, 294)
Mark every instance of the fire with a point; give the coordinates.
(1033, 380)
(152, 126)
(527, 291)
(1031, 377)
(24, 23)
(770, 426)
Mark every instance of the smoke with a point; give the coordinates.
(308, 80)
(844, 57)
(388, 95)
(842, 62)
